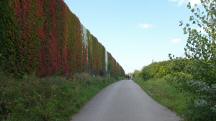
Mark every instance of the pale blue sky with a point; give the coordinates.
(135, 31)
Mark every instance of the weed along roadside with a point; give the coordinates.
(188, 84)
(47, 99)
(172, 84)
(166, 94)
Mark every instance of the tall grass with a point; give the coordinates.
(48, 99)
(166, 94)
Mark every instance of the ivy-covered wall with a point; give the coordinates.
(44, 37)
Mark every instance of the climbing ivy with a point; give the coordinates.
(44, 37)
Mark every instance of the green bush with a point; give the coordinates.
(178, 79)
(204, 102)
(161, 69)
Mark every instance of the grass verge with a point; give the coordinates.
(47, 99)
(166, 94)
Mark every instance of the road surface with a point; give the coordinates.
(124, 101)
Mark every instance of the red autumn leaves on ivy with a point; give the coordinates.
(50, 41)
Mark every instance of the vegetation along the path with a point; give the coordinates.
(50, 64)
(188, 85)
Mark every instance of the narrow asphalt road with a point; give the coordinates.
(124, 101)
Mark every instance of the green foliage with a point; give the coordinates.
(8, 39)
(182, 74)
(202, 108)
(136, 74)
(161, 69)
(201, 45)
(165, 80)
(165, 93)
(196, 74)
(201, 48)
(178, 79)
(47, 99)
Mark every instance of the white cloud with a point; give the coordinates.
(176, 40)
(146, 26)
(182, 2)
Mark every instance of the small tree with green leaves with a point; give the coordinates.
(201, 48)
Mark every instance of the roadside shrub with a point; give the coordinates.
(155, 70)
(178, 79)
(201, 48)
(203, 107)
(164, 68)
(47, 99)
(203, 101)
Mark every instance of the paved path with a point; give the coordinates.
(124, 101)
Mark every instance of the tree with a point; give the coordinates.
(201, 43)
(201, 48)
